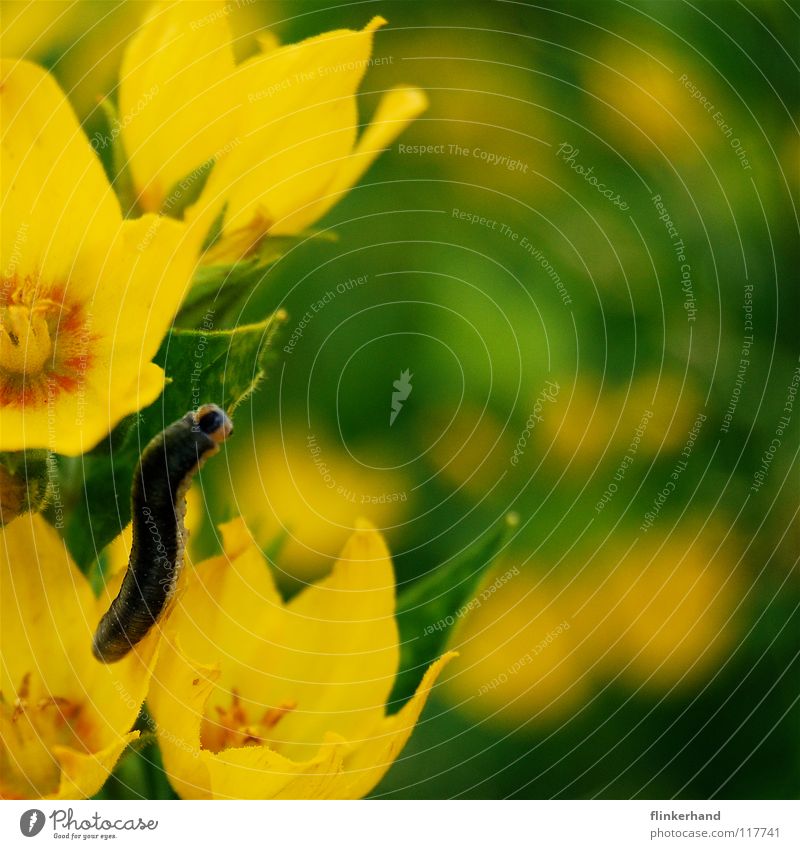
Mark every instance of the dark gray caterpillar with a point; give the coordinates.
(158, 508)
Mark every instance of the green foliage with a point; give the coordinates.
(203, 366)
(225, 288)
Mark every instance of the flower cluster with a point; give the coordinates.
(251, 696)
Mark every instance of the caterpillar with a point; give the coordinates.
(158, 508)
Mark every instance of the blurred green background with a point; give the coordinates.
(581, 212)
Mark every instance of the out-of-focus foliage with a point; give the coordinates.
(584, 254)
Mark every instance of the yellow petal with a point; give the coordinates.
(237, 539)
(61, 226)
(76, 422)
(57, 205)
(156, 264)
(397, 109)
(268, 41)
(231, 613)
(296, 123)
(178, 695)
(505, 674)
(82, 774)
(257, 772)
(49, 616)
(371, 760)
(115, 692)
(332, 651)
(48, 613)
(138, 295)
(176, 94)
(338, 652)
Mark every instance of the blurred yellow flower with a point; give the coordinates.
(470, 449)
(309, 493)
(259, 699)
(64, 718)
(646, 106)
(86, 297)
(519, 657)
(664, 610)
(589, 420)
(280, 128)
(655, 615)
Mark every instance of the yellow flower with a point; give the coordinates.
(654, 616)
(665, 611)
(279, 127)
(310, 493)
(256, 698)
(521, 661)
(645, 106)
(589, 420)
(64, 717)
(71, 38)
(86, 297)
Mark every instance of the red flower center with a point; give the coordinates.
(45, 343)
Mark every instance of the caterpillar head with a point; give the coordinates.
(213, 421)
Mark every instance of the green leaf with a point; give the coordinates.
(429, 608)
(186, 190)
(225, 287)
(221, 289)
(203, 366)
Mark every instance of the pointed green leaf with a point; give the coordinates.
(186, 190)
(429, 608)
